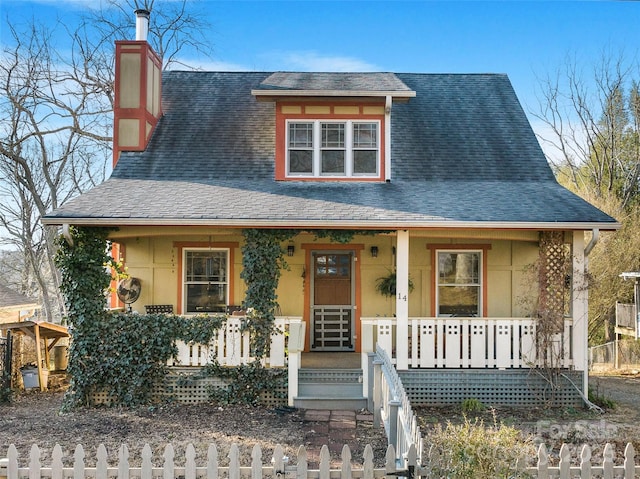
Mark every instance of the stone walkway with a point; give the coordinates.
(333, 429)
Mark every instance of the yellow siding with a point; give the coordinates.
(291, 286)
(524, 282)
(317, 110)
(130, 69)
(291, 109)
(128, 131)
(499, 279)
(346, 110)
(154, 260)
(373, 110)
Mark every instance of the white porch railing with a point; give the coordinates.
(392, 409)
(470, 342)
(231, 346)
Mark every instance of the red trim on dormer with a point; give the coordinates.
(281, 134)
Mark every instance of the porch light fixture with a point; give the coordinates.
(374, 251)
(290, 250)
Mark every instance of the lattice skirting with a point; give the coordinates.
(516, 387)
(180, 387)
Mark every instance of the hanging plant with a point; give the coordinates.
(386, 285)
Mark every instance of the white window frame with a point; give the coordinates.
(480, 283)
(348, 148)
(185, 283)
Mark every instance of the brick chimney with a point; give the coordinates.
(138, 90)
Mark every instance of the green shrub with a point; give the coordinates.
(471, 450)
(600, 399)
(472, 405)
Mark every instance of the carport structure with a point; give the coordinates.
(45, 335)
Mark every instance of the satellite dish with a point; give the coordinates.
(129, 291)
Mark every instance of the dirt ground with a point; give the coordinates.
(35, 418)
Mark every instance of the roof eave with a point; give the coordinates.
(334, 224)
(332, 93)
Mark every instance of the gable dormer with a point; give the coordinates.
(333, 126)
(137, 107)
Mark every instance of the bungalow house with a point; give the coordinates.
(440, 178)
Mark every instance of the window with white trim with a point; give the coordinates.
(459, 283)
(205, 280)
(333, 148)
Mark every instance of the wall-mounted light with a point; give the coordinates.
(374, 251)
(290, 250)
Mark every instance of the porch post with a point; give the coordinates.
(580, 309)
(402, 300)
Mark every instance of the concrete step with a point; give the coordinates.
(330, 389)
(342, 404)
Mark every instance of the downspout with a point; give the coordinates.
(66, 233)
(595, 236)
(387, 138)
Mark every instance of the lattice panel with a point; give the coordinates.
(554, 269)
(180, 387)
(437, 387)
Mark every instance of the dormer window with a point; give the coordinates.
(333, 126)
(348, 148)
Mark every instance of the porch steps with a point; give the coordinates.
(322, 388)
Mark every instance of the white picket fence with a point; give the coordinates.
(584, 469)
(469, 342)
(278, 467)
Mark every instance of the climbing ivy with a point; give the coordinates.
(245, 383)
(262, 264)
(121, 355)
(344, 236)
(125, 355)
(81, 261)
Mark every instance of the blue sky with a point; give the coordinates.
(524, 39)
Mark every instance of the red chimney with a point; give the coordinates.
(138, 90)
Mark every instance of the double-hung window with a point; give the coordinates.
(333, 148)
(205, 280)
(459, 283)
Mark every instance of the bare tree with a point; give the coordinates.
(56, 121)
(594, 121)
(56, 127)
(173, 28)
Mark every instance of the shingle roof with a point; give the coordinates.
(10, 299)
(463, 154)
(345, 82)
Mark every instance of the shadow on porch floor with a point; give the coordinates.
(331, 360)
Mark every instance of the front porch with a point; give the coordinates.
(460, 309)
(494, 360)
